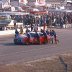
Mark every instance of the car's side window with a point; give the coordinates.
(41, 34)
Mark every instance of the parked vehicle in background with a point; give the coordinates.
(4, 20)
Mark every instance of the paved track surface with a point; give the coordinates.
(10, 53)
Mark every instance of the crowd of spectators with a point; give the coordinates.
(50, 19)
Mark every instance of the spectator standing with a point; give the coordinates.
(61, 22)
(16, 33)
(27, 30)
(41, 21)
(47, 20)
(15, 27)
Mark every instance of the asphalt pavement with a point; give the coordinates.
(11, 53)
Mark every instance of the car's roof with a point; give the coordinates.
(31, 32)
(22, 35)
(35, 32)
(39, 32)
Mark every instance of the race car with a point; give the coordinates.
(31, 38)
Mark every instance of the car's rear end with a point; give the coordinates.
(18, 40)
(21, 39)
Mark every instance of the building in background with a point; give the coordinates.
(49, 3)
(0, 4)
(23, 2)
(14, 2)
(40, 2)
(68, 4)
(5, 3)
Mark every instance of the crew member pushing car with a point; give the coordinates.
(16, 33)
(21, 30)
(37, 36)
(45, 35)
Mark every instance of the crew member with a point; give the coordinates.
(16, 33)
(45, 35)
(21, 30)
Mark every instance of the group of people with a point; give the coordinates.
(50, 36)
(50, 19)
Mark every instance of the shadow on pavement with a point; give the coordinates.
(9, 44)
(12, 44)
